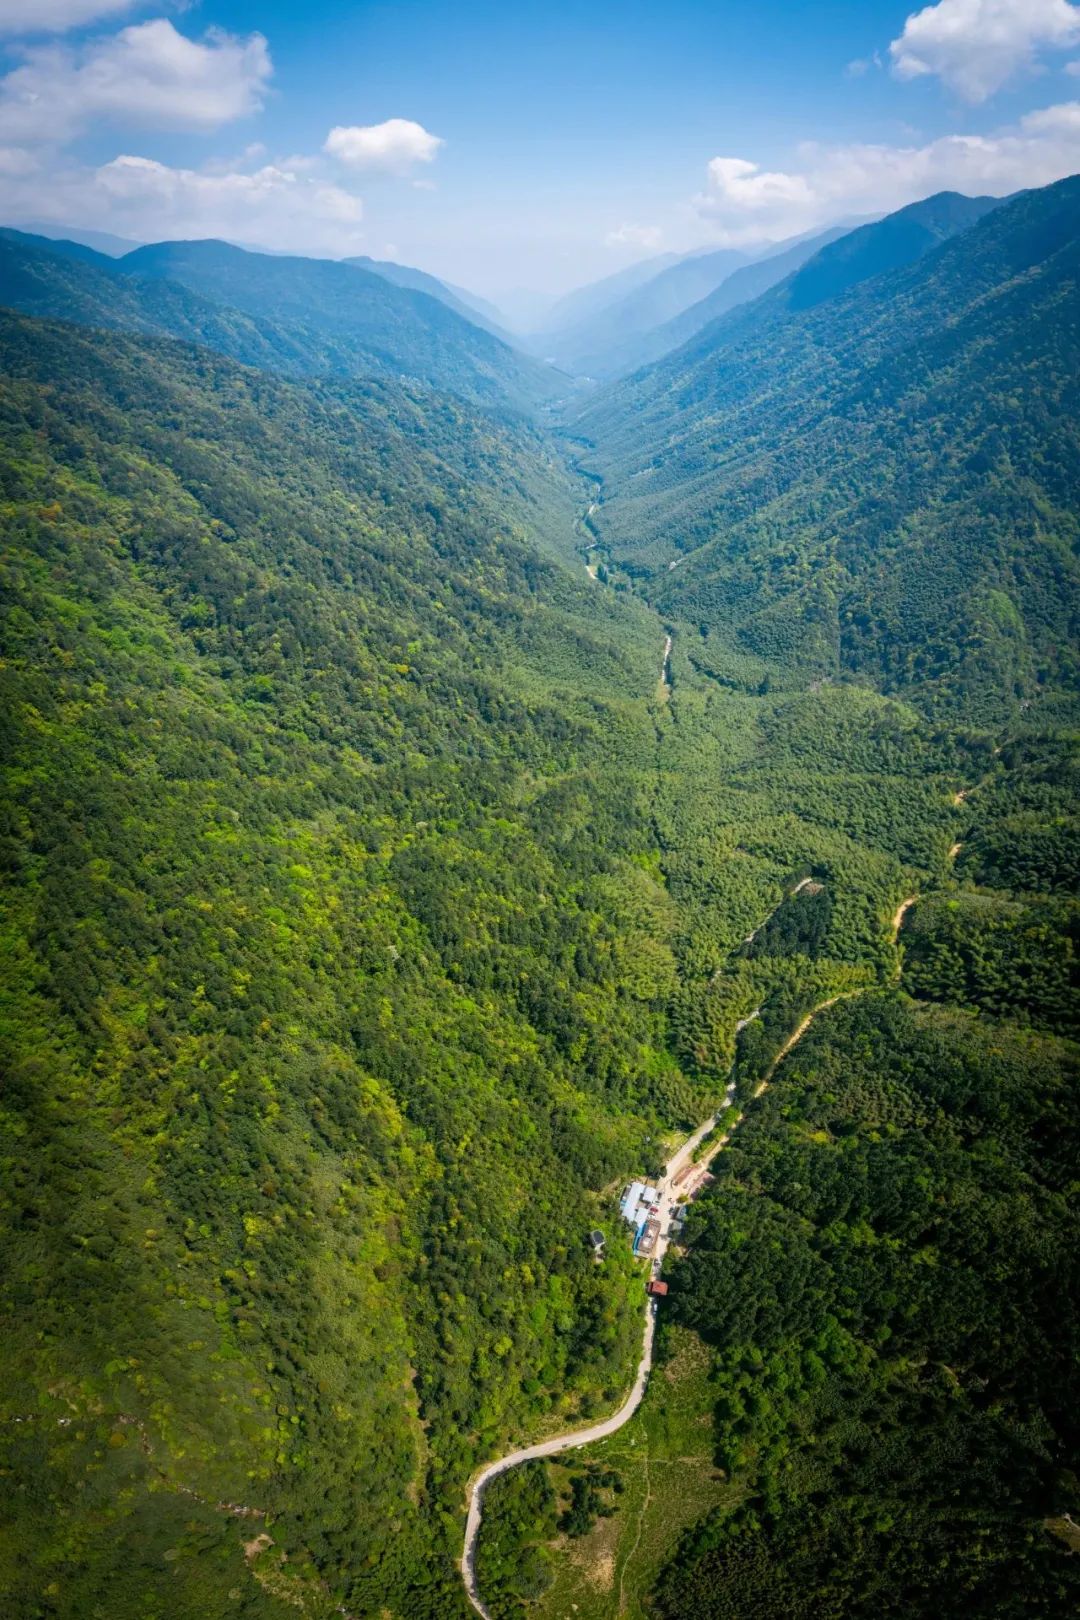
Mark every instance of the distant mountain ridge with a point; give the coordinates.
(455, 298)
(862, 472)
(582, 348)
(663, 310)
(303, 317)
(740, 287)
(114, 247)
(885, 244)
(584, 302)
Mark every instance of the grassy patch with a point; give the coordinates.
(664, 1456)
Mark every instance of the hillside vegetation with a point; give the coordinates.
(327, 1006)
(302, 317)
(884, 1269)
(372, 912)
(882, 485)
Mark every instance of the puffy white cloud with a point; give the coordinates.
(743, 203)
(16, 160)
(271, 206)
(148, 74)
(56, 16)
(976, 45)
(747, 190)
(394, 146)
(1062, 120)
(636, 236)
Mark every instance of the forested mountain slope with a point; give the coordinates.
(353, 321)
(583, 347)
(372, 910)
(473, 309)
(866, 1403)
(740, 287)
(884, 244)
(867, 1391)
(302, 317)
(333, 982)
(65, 281)
(887, 1270)
(884, 483)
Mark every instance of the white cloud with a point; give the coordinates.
(394, 146)
(17, 160)
(1063, 120)
(976, 45)
(749, 191)
(148, 75)
(743, 203)
(637, 236)
(55, 16)
(270, 206)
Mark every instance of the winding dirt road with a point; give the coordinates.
(670, 1191)
(681, 1177)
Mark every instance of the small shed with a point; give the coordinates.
(658, 1288)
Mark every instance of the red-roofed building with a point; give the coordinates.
(657, 1287)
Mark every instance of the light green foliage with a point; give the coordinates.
(325, 1019)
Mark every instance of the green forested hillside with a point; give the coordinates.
(886, 1271)
(373, 909)
(883, 1272)
(302, 317)
(325, 1012)
(63, 281)
(349, 320)
(880, 485)
(887, 1267)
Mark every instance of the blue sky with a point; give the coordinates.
(505, 145)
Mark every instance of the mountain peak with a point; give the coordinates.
(885, 244)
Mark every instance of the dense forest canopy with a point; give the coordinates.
(874, 481)
(373, 911)
(302, 317)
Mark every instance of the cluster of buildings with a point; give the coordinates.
(640, 1208)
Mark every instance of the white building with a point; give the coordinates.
(637, 1204)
